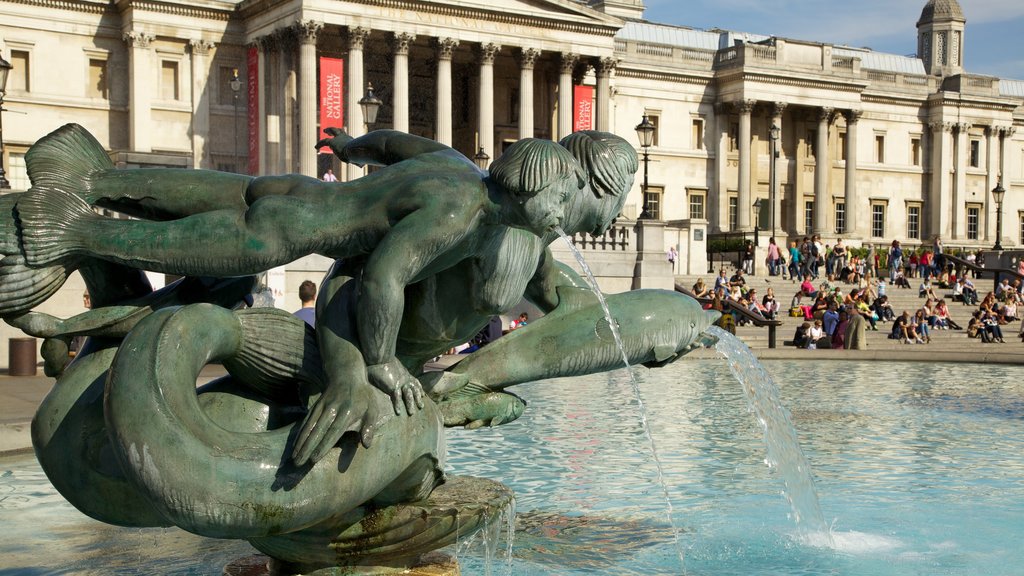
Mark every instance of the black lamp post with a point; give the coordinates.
(773, 141)
(370, 105)
(236, 86)
(997, 193)
(5, 67)
(645, 133)
(482, 159)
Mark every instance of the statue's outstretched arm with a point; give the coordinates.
(380, 147)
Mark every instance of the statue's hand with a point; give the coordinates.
(394, 380)
(336, 142)
(341, 408)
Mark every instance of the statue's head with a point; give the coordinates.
(539, 178)
(610, 163)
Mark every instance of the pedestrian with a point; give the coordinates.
(672, 256)
(307, 295)
(329, 176)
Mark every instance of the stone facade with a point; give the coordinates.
(872, 147)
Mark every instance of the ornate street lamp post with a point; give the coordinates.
(997, 193)
(370, 105)
(773, 140)
(236, 86)
(645, 133)
(482, 159)
(5, 67)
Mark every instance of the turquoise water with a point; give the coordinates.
(919, 469)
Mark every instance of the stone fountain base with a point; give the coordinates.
(396, 539)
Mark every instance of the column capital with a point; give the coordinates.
(1010, 131)
(528, 57)
(281, 39)
(261, 43)
(357, 37)
(446, 48)
(308, 30)
(400, 42)
(137, 39)
(852, 116)
(201, 47)
(941, 126)
(778, 108)
(605, 66)
(487, 52)
(745, 106)
(963, 127)
(825, 114)
(568, 62)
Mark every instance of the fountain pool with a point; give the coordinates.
(919, 468)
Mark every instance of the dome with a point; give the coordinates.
(941, 10)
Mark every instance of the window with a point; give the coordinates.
(975, 154)
(697, 202)
(652, 198)
(880, 148)
(973, 215)
(697, 134)
(840, 217)
(914, 221)
(20, 74)
(842, 146)
(17, 172)
(169, 80)
(808, 216)
(878, 219)
(733, 200)
(97, 87)
(656, 120)
(915, 151)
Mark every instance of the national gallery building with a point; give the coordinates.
(867, 146)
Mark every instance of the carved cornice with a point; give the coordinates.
(357, 37)
(528, 57)
(446, 48)
(183, 9)
(137, 39)
(308, 31)
(451, 10)
(662, 76)
(822, 84)
(201, 47)
(487, 52)
(400, 42)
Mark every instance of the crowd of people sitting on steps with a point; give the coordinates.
(852, 285)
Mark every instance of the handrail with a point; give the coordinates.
(961, 264)
(732, 305)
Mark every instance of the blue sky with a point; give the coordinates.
(993, 26)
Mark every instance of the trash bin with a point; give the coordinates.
(21, 357)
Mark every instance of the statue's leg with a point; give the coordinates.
(656, 327)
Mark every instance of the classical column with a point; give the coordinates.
(850, 197)
(718, 203)
(527, 59)
(743, 203)
(959, 195)
(568, 63)
(262, 44)
(777, 109)
(285, 98)
(485, 125)
(821, 198)
(940, 193)
(605, 67)
(991, 177)
(356, 85)
(401, 43)
(308, 32)
(445, 51)
(200, 106)
(142, 79)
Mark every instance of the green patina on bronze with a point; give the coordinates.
(322, 447)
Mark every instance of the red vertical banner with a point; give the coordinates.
(332, 82)
(253, 107)
(582, 108)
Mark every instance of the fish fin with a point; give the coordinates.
(67, 159)
(54, 224)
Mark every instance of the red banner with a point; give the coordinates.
(253, 93)
(332, 94)
(582, 108)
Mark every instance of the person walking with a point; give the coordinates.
(307, 295)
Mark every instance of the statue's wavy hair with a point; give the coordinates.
(531, 165)
(609, 160)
